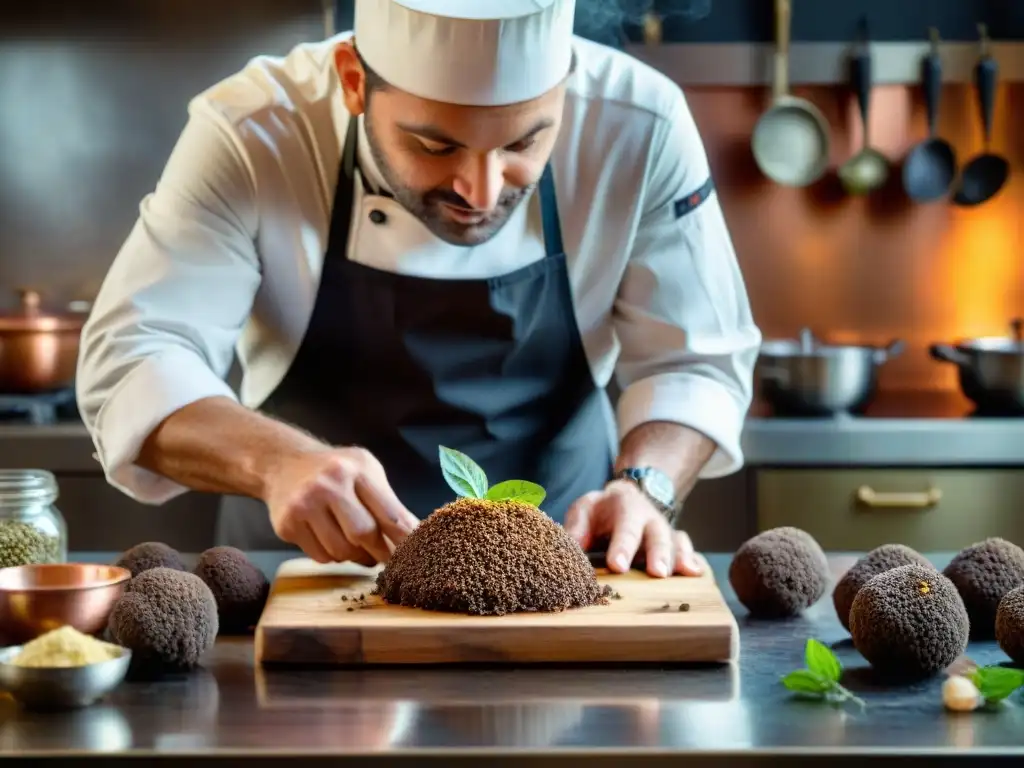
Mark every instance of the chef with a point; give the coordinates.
(449, 227)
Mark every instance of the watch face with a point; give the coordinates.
(658, 485)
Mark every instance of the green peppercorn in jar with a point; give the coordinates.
(32, 529)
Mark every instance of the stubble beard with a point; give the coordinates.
(428, 206)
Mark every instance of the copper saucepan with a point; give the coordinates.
(38, 349)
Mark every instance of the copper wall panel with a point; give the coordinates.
(882, 267)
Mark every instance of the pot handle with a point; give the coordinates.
(1017, 329)
(893, 349)
(945, 353)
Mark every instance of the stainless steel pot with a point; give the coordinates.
(807, 377)
(990, 369)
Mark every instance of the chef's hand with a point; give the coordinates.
(336, 505)
(621, 514)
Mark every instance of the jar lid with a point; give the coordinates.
(23, 485)
(30, 316)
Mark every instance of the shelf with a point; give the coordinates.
(750, 64)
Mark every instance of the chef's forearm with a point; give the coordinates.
(219, 446)
(677, 450)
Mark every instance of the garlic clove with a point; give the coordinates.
(960, 694)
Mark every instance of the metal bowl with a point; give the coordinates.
(35, 599)
(61, 687)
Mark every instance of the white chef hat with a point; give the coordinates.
(475, 52)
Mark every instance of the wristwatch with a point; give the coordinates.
(656, 486)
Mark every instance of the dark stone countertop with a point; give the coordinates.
(734, 715)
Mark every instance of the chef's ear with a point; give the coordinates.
(352, 77)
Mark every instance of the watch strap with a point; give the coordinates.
(636, 475)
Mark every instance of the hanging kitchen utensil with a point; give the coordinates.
(808, 377)
(868, 169)
(990, 369)
(930, 169)
(791, 140)
(986, 174)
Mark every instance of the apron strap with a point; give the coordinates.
(549, 214)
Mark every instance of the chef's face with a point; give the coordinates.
(461, 170)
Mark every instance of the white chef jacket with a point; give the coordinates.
(226, 255)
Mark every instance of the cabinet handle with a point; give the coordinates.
(869, 497)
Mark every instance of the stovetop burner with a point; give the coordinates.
(42, 408)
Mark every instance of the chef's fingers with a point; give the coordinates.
(331, 536)
(364, 558)
(686, 558)
(307, 541)
(627, 533)
(359, 525)
(578, 519)
(394, 519)
(659, 546)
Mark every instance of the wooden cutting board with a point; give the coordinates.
(325, 615)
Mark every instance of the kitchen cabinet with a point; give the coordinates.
(927, 509)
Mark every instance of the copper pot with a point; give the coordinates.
(38, 349)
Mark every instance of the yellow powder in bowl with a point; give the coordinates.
(65, 647)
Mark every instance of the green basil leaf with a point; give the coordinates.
(996, 683)
(822, 661)
(462, 474)
(517, 490)
(806, 681)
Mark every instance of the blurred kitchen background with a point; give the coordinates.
(93, 96)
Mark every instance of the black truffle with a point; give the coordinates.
(1010, 624)
(909, 622)
(238, 586)
(983, 573)
(489, 557)
(168, 618)
(876, 561)
(779, 573)
(148, 555)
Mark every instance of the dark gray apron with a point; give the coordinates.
(400, 365)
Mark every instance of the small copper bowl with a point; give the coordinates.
(35, 599)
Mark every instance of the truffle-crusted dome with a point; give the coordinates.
(909, 622)
(148, 555)
(983, 573)
(168, 618)
(1010, 624)
(876, 561)
(489, 557)
(779, 572)
(238, 586)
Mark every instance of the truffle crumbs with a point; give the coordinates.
(909, 622)
(1009, 628)
(876, 561)
(779, 572)
(490, 558)
(983, 573)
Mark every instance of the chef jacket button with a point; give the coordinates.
(378, 217)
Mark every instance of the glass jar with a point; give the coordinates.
(32, 529)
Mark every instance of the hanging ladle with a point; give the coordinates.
(868, 169)
(930, 168)
(986, 174)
